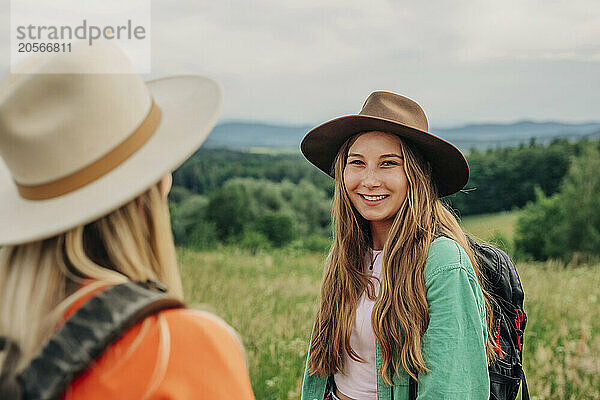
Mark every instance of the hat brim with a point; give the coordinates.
(190, 108)
(449, 167)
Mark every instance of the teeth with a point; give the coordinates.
(373, 198)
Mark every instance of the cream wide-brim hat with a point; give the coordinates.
(43, 127)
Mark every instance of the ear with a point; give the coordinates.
(166, 183)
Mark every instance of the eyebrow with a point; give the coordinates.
(382, 156)
(390, 155)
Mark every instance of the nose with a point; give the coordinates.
(371, 179)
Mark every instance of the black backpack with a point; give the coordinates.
(82, 338)
(503, 284)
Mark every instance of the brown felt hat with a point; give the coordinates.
(399, 115)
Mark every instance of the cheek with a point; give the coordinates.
(398, 184)
(349, 180)
(352, 178)
(403, 186)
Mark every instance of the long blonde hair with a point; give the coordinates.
(40, 280)
(400, 315)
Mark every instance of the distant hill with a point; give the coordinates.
(243, 135)
(482, 136)
(249, 135)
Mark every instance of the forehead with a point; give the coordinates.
(376, 141)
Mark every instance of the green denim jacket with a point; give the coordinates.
(453, 345)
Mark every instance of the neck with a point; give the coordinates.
(379, 233)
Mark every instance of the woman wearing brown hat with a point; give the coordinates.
(401, 294)
(84, 177)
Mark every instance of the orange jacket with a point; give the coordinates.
(176, 354)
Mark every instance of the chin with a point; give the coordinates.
(375, 218)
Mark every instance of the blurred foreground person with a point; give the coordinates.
(84, 178)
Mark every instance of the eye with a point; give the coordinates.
(388, 163)
(356, 162)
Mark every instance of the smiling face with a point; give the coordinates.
(374, 177)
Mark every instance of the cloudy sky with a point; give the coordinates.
(304, 62)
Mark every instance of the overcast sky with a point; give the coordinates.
(307, 61)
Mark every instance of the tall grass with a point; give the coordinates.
(562, 337)
(485, 226)
(270, 299)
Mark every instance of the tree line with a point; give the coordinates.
(566, 224)
(273, 199)
(500, 179)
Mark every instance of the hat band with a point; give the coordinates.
(98, 168)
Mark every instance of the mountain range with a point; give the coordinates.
(256, 135)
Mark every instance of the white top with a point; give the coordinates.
(360, 380)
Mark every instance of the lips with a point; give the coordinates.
(373, 199)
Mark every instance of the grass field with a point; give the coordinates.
(270, 299)
(486, 226)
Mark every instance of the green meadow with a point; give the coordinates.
(487, 226)
(270, 298)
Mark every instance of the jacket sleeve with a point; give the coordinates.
(454, 343)
(313, 386)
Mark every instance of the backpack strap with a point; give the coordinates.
(87, 333)
(524, 389)
(9, 386)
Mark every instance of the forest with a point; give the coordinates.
(264, 200)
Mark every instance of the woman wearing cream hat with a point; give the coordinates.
(84, 174)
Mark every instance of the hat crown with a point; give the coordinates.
(396, 108)
(54, 124)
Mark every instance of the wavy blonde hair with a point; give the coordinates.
(400, 315)
(40, 280)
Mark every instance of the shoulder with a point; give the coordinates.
(179, 353)
(184, 320)
(450, 279)
(210, 351)
(446, 254)
(202, 330)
